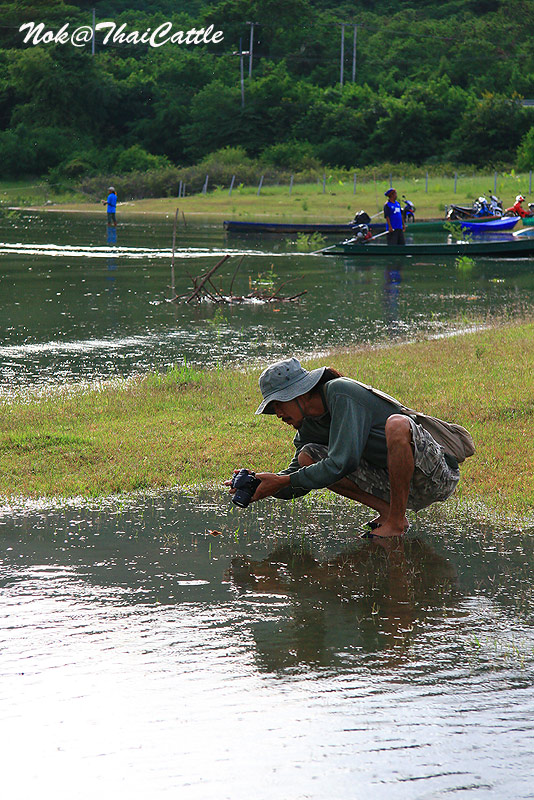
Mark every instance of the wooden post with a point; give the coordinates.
(494, 183)
(426, 183)
(390, 181)
(259, 187)
(290, 185)
(205, 187)
(455, 181)
(231, 186)
(324, 182)
(180, 189)
(354, 185)
(173, 288)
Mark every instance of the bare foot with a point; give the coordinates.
(387, 530)
(380, 520)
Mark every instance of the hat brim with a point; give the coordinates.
(303, 385)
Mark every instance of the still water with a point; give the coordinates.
(75, 307)
(285, 658)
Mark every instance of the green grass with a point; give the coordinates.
(306, 202)
(189, 427)
(35, 192)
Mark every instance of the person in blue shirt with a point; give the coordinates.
(111, 206)
(394, 219)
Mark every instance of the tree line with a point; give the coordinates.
(440, 83)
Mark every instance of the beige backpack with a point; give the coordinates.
(455, 439)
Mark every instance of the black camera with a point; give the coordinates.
(245, 484)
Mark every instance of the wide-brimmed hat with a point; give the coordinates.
(284, 381)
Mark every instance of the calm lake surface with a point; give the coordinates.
(75, 307)
(285, 658)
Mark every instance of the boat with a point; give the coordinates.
(239, 226)
(512, 247)
(489, 226)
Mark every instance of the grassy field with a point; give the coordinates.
(306, 202)
(190, 427)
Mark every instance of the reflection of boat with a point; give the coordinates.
(489, 226)
(502, 247)
(238, 226)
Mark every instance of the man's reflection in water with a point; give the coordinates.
(392, 282)
(112, 260)
(370, 600)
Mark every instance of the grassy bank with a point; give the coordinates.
(306, 201)
(194, 426)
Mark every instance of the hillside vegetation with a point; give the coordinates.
(434, 82)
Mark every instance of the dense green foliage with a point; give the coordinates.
(435, 82)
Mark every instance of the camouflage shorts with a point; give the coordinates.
(433, 480)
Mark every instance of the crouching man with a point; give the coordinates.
(359, 443)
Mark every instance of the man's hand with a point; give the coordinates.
(270, 484)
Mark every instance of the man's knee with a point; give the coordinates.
(305, 458)
(398, 429)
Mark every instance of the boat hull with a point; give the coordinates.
(490, 226)
(510, 248)
(238, 226)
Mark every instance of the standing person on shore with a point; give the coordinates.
(394, 220)
(111, 202)
(359, 443)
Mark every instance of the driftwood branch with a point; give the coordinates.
(235, 273)
(203, 281)
(204, 278)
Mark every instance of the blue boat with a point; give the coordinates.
(490, 226)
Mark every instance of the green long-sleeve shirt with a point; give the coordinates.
(353, 427)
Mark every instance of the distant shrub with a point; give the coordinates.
(226, 156)
(525, 151)
(292, 155)
(137, 158)
(33, 151)
(338, 152)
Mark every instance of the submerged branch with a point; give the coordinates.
(202, 281)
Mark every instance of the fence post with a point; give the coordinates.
(180, 189)
(324, 182)
(455, 181)
(290, 185)
(261, 184)
(354, 185)
(205, 187)
(231, 185)
(426, 183)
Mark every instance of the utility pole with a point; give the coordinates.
(251, 47)
(241, 53)
(242, 78)
(354, 55)
(342, 58)
(93, 39)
